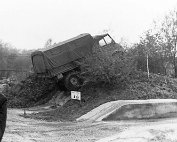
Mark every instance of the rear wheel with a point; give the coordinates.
(72, 81)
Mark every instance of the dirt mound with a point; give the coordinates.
(136, 87)
(32, 91)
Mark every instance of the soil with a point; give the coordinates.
(136, 87)
(20, 129)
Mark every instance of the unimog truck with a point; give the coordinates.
(60, 61)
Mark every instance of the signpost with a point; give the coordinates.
(76, 95)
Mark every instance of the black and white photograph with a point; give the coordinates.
(88, 70)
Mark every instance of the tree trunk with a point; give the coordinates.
(147, 59)
(174, 58)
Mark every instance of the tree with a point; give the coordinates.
(159, 45)
(149, 54)
(168, 33)
(12, 59)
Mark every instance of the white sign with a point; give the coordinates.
(76, 95)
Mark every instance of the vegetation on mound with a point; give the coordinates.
(30, 92)
(103, 66)
(138, 86)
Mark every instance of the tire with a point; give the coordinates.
(72, 81)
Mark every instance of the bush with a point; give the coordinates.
(108, 65)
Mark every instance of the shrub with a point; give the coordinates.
(108, 65)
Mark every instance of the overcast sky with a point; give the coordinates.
(28, 24)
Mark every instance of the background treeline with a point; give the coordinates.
(158, 44)
(13, 62)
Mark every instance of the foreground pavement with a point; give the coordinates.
(20, 129)
(164, 130)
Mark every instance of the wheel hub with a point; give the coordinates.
(74, 81)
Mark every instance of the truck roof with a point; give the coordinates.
(67, 41)
(60, 57)
(98, 37)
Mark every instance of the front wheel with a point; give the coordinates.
(72, 81)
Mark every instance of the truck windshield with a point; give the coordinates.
(106, 40)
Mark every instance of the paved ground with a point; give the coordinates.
(21, 129)
(158, 131)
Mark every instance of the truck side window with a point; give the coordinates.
(102, 42)
(108, 39)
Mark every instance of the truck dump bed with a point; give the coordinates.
(60, 58)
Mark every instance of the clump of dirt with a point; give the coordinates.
(136, 87)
